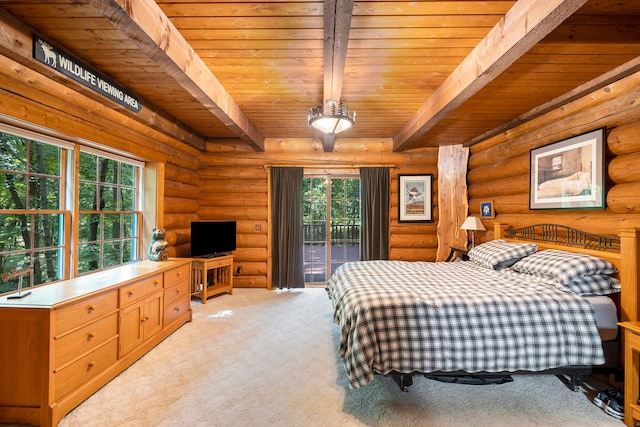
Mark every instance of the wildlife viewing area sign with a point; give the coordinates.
(78, 71)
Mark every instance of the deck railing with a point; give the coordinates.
(349, 233)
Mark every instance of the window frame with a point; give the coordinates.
(145, 197)
(137, 212)
(328, 198)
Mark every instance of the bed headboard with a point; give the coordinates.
(622, 250)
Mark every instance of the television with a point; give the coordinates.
(212, 238)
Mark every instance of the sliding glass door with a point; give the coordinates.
(331, 235)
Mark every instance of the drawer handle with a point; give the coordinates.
(155, 283)
(177, 308)
(130, 294)
(91, 335)
(177, 291)
(90, 309)
(90, 365)
(144, 319)
(178, 274)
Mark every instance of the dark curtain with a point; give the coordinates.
(374, 237)
(286, 215)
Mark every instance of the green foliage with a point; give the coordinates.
(88, 167)
(88, 258)
(88, 199)
(31, 181)
(344, 210)
(107, 186)
(13, 153)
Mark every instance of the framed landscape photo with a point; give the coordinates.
(486, 210)
(569, 174)
(414, 198)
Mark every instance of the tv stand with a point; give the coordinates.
(213, 255)
(212, 276)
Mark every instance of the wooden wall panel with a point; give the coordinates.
(499, 167)
(34, 98)
(234, 185)
(414, 241)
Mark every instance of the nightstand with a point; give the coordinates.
(461, 252)
(631, 371)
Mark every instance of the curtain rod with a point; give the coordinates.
(330, 166)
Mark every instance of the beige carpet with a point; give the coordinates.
(268, 358)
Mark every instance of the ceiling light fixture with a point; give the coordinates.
(333, 119)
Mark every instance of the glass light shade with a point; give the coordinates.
(332, 118)
(331, 124)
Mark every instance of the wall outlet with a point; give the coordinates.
(239, 270)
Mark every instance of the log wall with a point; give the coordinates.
(234, 186)
(499, 167)
(229, 180)
(34, 98)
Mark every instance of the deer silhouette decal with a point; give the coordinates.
(49, 54)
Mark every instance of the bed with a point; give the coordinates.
(494, 314)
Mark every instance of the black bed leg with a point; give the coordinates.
(576, 382)
(403, 380)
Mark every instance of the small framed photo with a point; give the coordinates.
(486, 210)
(415, 193)
(569, 174)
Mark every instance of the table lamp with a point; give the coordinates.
(472, 223)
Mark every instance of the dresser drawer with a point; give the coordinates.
(140, 289)
(177, 274)
(83, 312)
(175, 310)
(84, 369)
(179, 290)
(70, 346)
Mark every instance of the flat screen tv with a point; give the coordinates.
(212, 238)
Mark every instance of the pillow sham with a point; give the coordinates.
(595, 284)
(498, 254)
(563, 266)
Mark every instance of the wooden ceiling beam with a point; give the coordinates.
(524, 25)
(16, 41)
(337, 25)
(149, 28)
(605, 79)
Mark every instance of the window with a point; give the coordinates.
(31, 220)
(108, 232)
(37, 209)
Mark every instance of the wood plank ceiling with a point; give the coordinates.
(425, 73)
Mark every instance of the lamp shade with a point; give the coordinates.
(472, 223)
(331, 118)
(331, 124)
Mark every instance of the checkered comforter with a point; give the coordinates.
(427, 317)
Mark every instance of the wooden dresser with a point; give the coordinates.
(65, 340)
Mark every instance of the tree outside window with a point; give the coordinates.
(36, 215)
(108, 223)
(31, 218)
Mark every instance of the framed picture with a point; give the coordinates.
(486, 210)
(569, 174)
(414, 198)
